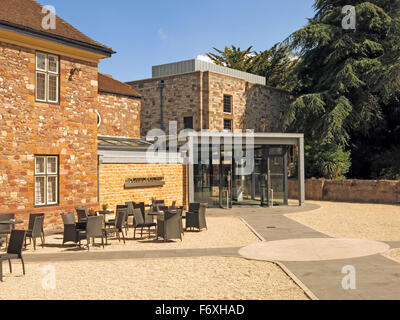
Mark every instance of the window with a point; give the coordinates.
(227, 124)
(47, 78)
(227, 104)
(46, 180)
(188, 122)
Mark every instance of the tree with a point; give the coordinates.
(346, 78)
(275, 64)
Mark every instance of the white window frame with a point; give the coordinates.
(46, 175)
(47, 73)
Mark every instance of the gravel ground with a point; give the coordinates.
(202, 278)
(153, 279)
(353, 220)
(223, 232)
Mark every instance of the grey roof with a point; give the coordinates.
(194, 65)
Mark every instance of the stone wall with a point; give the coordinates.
(362, 191)
(254, 106)
(200, 94)
(181, 99)
(113, 176)
(28, 128)
(120, 115)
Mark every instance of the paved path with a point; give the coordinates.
(377, 277)
(125, 255)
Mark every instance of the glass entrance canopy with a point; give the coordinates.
(228, 169)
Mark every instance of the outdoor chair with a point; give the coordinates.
(120, 219)
(71, 229)
(5, 229)
(197, 219)
(82, 213)
(147, 218)
(14, 251)
(94, 229)
(169, 226)
(36, 232)
(111, 222)
(139, 223)
(32, 218)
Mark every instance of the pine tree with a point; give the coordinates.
(346, 78)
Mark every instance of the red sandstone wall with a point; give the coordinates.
(363, 191)
(120, 115)
(28, 128)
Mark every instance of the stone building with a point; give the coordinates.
(201, 95)
(54, 110)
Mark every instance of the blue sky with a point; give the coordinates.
(151, 32)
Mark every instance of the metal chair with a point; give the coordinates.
(14, 251)
(36, 232)
(5, 229)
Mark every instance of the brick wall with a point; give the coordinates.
(361, 191)
(113, 176)
(28, 128)
(120, 115)
(200, 94)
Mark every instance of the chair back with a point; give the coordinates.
(32, 218)
(5, 228)
(138, 217)
(68, 218)
(173, 204)
(194, 207)
(94, 227)
(82, 214)
(37, 226)
(16, 242)
(140, 206)
(120, 217)
(131, 206)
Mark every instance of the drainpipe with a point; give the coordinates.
(161, 86)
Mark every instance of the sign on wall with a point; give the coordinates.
(144, 182)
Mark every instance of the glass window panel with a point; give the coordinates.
(53, 88)
(53, 64)
(40, 165)
(40, 86)
(227, 104)
(228, 125)
(41, 62)
(40, 190)
(51, 190)
(52, 165)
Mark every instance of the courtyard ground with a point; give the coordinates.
(84, 276)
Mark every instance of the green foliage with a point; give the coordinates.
(347, 79)
(276, 64)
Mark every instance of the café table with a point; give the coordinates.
(12, 223)
(104, 213)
